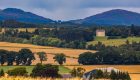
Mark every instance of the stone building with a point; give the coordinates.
(100, 33)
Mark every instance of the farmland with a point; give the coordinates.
(22, 29)
(115, 42)
(29, 78)
(133, 70)
(72, 54)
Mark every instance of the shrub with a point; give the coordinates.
(1, 73)
(20, 71)
(78, 72)
(47, 70)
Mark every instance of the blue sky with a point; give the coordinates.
(70, 9)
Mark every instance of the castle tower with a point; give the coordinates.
(100, 33)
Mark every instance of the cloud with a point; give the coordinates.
(70, 9)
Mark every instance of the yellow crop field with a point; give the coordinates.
(133, 70)
(23, 29)
(116, 42)
(19, 29)
(49, 50)
(29, 78)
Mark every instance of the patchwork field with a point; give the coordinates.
(133, 70)
(70, 53)
(115, 42)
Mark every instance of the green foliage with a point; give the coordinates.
(119, 75)
(125, 54)
(70, 37)
(87, 58)
(62, 69)
(113, 75)
(1, 72)
(45, 71)
(3, 54)
(42, 56)
(60, 58)
(77, 72)
(25, 57)
(11, 57)
(21, 71)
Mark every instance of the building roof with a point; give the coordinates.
(100, 30)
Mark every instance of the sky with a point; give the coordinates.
(70, 9)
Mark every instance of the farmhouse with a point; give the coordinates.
(100, 33)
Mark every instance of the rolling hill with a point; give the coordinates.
(112, 17)
(22, 16)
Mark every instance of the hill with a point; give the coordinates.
(22, 16)
(112, 17)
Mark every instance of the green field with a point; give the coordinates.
(62, 69)
(100, 38)
(115, 42)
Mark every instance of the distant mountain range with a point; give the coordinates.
(112, 17)
(22, 16)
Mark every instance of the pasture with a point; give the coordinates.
(62, 69)
(115, 42)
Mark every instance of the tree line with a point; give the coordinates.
(75, 37)
(124, 54)
(26, 56)
(23, 57)
(113, 75)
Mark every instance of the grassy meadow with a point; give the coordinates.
(114, 42)
(62, 69)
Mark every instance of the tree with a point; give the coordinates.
(47, 70)
(25, 57)
(78, 72)
(3, 55)
(127, 42)
(1, 72)
(42, 56)
(113, 75)
(99, 74)
(60, 58)
(11, 56)
(87, 58)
